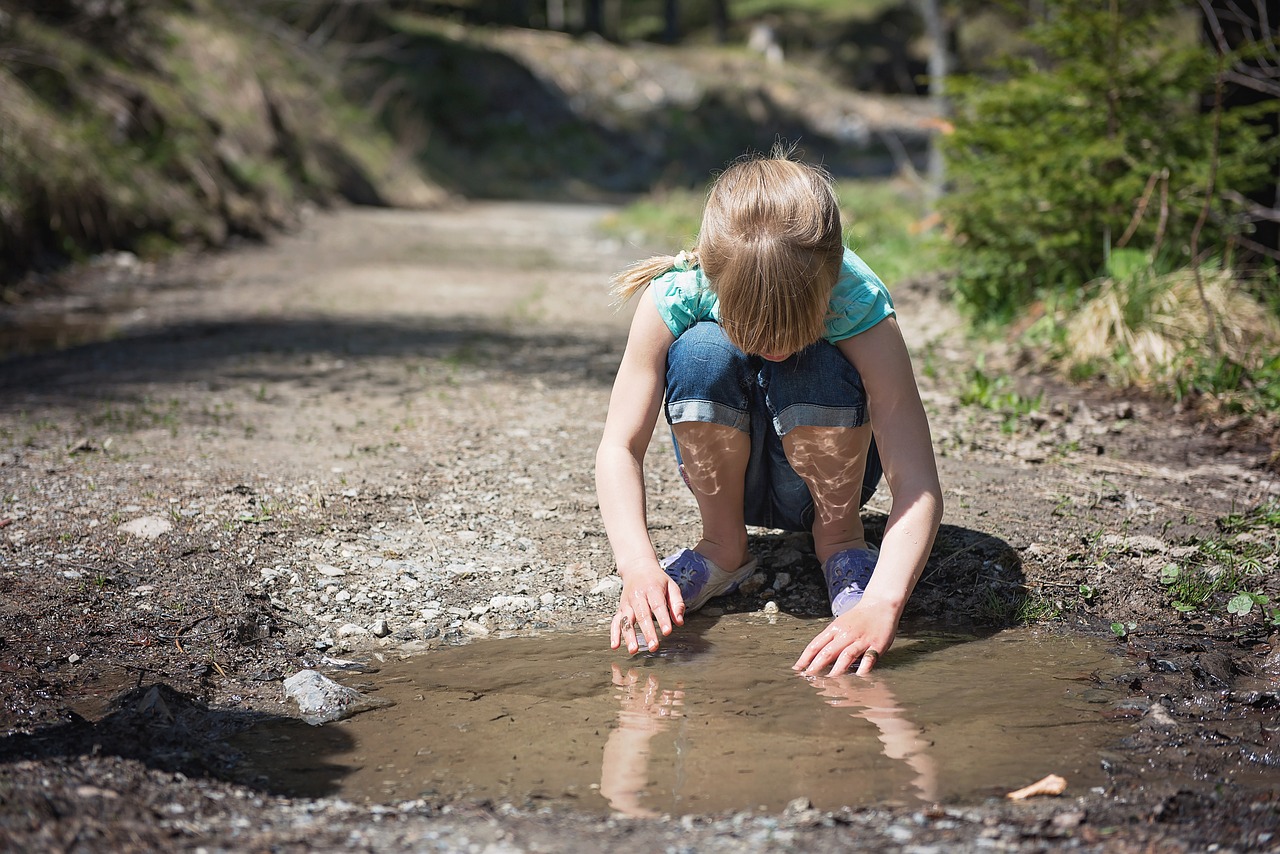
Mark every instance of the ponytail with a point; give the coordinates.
(637, 277)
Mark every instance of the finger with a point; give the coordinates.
(628, 636)
(815, 645)
(870, 659)
(825, 656)
(844, 661)
(649, 630)
(615, 631)
(658, 606)
(617, 673)
(677, 602)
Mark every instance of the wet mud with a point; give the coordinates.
(373, 441)
(714, 721)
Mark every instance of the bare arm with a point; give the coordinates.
(647, 593)
(906, 451)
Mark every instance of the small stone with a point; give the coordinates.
(770, 607)
(147, 527)
(611, 586)
(476, 630)
(547, 600)
(579, 576)
(351, 629)
(379, 629)
(72, 658)
(781, 581)
(321, 700)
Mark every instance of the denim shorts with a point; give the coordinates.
(710, 380)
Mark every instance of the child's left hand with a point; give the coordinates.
(866, 631)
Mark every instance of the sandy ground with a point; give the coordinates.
(375, 436)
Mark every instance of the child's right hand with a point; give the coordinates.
(650, 601)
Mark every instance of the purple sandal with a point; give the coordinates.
(699, 579)
(847, 574)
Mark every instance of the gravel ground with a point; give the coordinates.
(375, 436)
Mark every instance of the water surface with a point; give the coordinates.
(716, 720)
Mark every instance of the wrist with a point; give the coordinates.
(638, 564)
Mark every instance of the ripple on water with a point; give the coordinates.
(716, 720)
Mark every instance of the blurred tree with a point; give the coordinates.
(1245, 36)
(1098, 141)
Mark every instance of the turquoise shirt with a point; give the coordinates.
(858, 302)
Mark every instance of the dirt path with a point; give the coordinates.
(376, 436)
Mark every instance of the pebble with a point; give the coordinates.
(611, 586)
(147, 527)
(476, 630)
(330, 571)
(321, 700)
(379, 629)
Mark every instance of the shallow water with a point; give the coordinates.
(716, 720)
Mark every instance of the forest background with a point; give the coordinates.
(1094, 181)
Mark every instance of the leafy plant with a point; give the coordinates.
(1095, 141)
(1237, 571)
(996, 393)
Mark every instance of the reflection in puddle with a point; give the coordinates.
(716, 720)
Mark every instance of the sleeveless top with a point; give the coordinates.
(858, 302)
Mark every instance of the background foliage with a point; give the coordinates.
(1103, 137)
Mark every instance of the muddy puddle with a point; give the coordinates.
(714, 721)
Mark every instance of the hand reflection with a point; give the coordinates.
(902, 739)
(645, 711)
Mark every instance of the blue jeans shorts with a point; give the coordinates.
(710, 380)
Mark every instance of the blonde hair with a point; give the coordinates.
(770, 245)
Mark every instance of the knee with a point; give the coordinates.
(702, 356)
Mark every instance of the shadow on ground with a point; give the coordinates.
(167, 730)
(228, 350)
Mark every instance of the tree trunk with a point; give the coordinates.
(672, 33)
(720, 20)
(937, 29)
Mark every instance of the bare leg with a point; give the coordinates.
(832, 461)
(715, 463)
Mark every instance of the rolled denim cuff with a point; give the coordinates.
(708, 412)
(815, 415)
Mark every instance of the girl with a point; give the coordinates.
(778, 354)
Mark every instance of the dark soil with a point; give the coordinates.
(376, 437)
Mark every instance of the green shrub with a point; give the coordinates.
(1099, 140)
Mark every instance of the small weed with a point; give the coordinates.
(1235, 571)
(997, 395)
(1038, 607)
(1122, 630)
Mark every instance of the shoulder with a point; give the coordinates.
(859, 300)
(683, 298)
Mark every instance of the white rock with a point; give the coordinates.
(349, 629)
(379, 629)
(474, 629)
(611, 586)
(329, 571)
(147, 527)
(321, 700)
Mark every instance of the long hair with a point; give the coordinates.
(770, 245)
